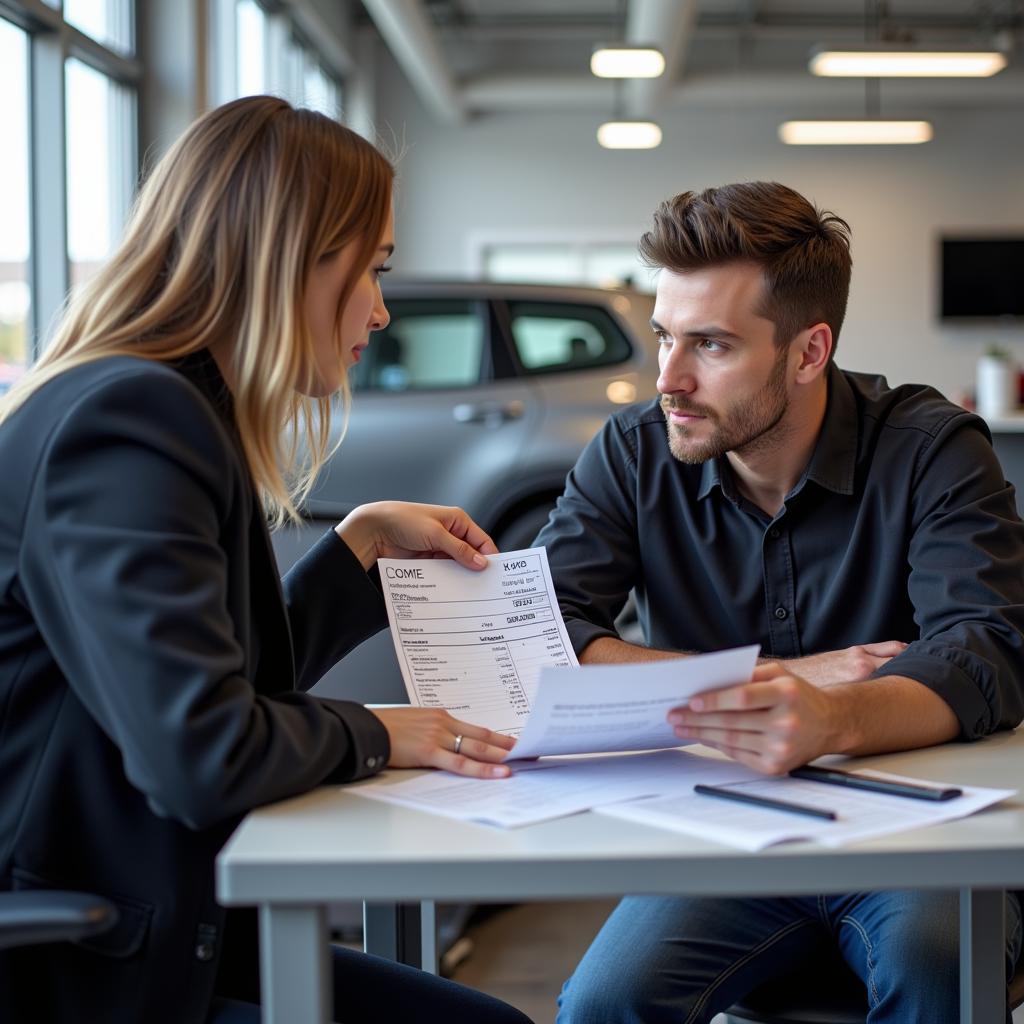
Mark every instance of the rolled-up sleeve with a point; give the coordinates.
(966, 582)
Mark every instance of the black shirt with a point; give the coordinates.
(902, 527)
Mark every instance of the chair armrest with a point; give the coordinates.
(27, 918)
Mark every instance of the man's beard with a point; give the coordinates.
(748, 427)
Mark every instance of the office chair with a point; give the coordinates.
(828, 994)
(35, 916)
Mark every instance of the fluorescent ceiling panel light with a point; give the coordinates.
(855, 133)
(629, 135)
(881, 62)
(627, 62)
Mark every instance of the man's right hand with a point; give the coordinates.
(851, 665)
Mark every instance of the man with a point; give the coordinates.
(864, 536)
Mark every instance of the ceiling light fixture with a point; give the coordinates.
(621, 61)
(855, 133)
(894, 61)
(872, 129)
(629, 135)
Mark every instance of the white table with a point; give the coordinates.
(292, 858)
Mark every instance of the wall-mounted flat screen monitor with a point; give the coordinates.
(982, 278)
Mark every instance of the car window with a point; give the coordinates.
(565, 336)
(428, 344)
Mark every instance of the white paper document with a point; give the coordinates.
(491, 648)
(599, 708)
(475, 642)
(859, 814)
(656, 789)
(552, 788)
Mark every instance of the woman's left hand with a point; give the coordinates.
(401, 529)
(432, 738)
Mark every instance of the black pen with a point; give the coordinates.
(764, 801)
(836, 777)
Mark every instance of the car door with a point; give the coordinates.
(584, 366)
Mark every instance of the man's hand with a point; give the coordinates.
(775, 722)
(851, 665)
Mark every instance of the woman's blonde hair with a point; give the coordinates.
(220, 244)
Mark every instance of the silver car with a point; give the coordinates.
(479, 395)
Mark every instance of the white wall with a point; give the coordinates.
(543, 175)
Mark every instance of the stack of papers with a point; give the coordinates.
(860, 815)
(657, 789)
(553, 787)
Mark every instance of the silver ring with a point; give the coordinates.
(458, 742)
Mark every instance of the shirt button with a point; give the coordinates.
(780, 612)
(774, 533)
(204, 951)
(371, 762)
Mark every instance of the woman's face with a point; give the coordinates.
(337, 346)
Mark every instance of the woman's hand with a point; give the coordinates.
(401, 529)
(428, 738)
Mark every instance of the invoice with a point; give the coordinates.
(475, 642)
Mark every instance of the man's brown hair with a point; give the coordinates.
(803, 252)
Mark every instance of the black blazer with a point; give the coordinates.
(149, 665)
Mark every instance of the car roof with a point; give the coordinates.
(416, 288)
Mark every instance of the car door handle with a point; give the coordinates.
(491, 414)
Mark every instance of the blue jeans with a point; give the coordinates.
(371, 990)
(684, 960)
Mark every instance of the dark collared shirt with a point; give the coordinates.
(902, 527)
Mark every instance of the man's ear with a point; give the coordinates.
(813, 348)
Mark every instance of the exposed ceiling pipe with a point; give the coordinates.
(797, 91)
(410, 36)
(558, 92)
(669, 25)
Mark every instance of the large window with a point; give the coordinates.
(303, 76)
(258, 52)
(251, 46)
(15, 293)
(107, 21)
(68, 79)
(100, 165)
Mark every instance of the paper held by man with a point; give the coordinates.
(491, 648)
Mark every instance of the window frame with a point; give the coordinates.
(51, 42)
(282, 29)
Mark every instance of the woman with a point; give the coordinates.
(150, 662)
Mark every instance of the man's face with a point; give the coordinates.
(724, 383)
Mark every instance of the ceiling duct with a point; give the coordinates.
(408, 33)
(669, 25)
